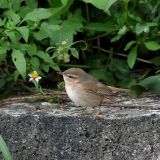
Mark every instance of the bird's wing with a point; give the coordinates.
(97, 88)
(100, 89)
(103, 89)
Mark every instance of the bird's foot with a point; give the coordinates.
(98, 113)
(82, 113)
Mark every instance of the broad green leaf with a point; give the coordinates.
(132, 57)
(55, 67)
(45, 56)
(152, 45)
(151, 83)
(58, 8)
(24, 31)
(20, 62)
(13, 16)
(32, 3)
(16, 74)
(31, 49)
(135, 17)
(12, 35)
(103, 4)
(35, 62)
(46, 30)
(68, 29)
(38, 14)
(4, 149)
(45, 68)
(141, 28)
(4, 4)
(129, 45)
(15, 5)
(74, 52)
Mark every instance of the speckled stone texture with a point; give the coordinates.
(45, 131)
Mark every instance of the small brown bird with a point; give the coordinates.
(85, 90)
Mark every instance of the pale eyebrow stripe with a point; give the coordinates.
(72, 75)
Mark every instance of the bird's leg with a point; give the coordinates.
(98, 113)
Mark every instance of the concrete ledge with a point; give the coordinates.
(45, 131)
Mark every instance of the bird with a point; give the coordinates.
(85, 90)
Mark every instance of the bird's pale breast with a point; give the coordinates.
(82, 98)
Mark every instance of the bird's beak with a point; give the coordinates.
(61, 73)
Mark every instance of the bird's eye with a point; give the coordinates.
(71, 76)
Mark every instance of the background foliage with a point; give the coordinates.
(122, 38)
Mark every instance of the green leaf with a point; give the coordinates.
(141, 28)
(132, 57)
(12, 35)
(13, 16)
(20, 62)
(103, 75)
(152, 45)
(116, 38)
(129, 45)
(45, 68)
(24, 31)
(3, 52)
(74, 52)
(103, 4)
(2, 22)
(68, 28)
(151, 83)
(127, 82)
(136, 90)
(4, 149)
(58, 8)
(4, 4)
(38, 14)
(45, 56)
(101, 27)
(58, 33)
(55, 67)
(46, 30)
(15, 75)
(122, 30)
(31, 49)
(55, 3)
(35, 62)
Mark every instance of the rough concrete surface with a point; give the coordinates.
(44, 131)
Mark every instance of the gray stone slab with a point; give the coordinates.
(44, 131)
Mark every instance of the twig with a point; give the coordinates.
(122, 55)
(31, 97)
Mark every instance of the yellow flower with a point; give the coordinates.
(34, 76)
